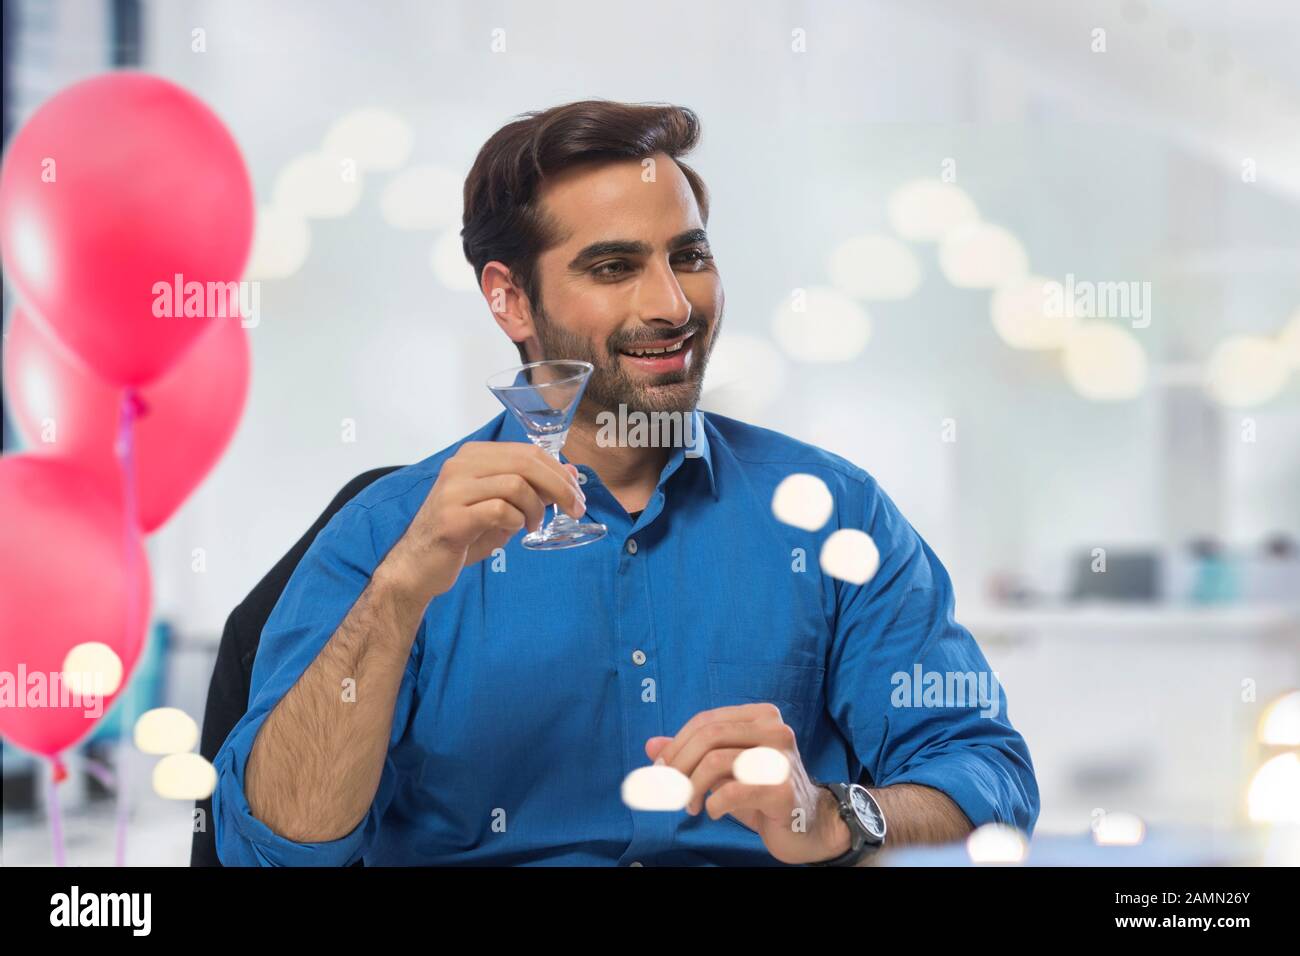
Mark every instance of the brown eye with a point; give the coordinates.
(600, 270)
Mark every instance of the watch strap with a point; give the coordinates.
(860, 846)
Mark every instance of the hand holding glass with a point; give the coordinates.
(543, 397)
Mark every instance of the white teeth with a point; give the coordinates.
(665, 351)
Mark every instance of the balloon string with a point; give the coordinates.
(57, 773)
(132, 407)
(101, 773)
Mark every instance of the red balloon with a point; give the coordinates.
(113, 188)
(190, 412)
(64, 581)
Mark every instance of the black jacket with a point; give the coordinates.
(228, 691)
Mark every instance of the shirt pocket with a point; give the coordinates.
(796, 689)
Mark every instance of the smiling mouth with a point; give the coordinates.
(653, 351)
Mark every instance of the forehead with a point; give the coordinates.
(612, 199)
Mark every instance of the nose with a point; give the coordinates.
(661, 302)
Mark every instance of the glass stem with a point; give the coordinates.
(555, 453)
(552, 444)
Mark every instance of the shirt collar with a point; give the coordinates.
(699, 448)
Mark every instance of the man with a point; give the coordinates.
(427, 691)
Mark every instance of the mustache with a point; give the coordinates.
(690, 327)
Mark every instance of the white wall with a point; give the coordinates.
(799, 152)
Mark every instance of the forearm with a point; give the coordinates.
(316, 764)
(914, 814)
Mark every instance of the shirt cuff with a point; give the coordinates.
(244, 840)
(979, 790)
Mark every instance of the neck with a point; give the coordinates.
(631, 474)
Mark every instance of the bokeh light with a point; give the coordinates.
(1023, 317)
(1280, 724)
(1246, 370)
(184, 776)
(745, 376)
(925, 210)
(657, 787)
(165, 730)
(761, 766)
(281, 242)
(92, 668)
(376, 139)
(447, 259)
(802, 501)
(1104, 362)
(1274, 793)
(980, 255)
(317, 186)
(1119, 829)
(997, 843)
(821, 324)
(1289, 341)
(874, 268)
(423, 197)
(850, 555)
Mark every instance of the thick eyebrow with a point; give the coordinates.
(632, 247)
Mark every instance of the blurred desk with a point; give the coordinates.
(1229, 622)
(1170, 846)
(1150, 708)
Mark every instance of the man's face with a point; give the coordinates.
(634, 271)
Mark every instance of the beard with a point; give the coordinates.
(610, 384)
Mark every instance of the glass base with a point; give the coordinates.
(563, 532)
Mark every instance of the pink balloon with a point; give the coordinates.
(113, 188)
(191, 412)
(63, 581)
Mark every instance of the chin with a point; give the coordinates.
(679, 397)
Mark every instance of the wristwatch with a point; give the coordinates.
(862, 814)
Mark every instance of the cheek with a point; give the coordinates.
(591, 315)
(705, 293)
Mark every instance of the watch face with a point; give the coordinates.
(867, 811)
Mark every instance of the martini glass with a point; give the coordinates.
(543, 397)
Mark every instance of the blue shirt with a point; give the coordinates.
(535, 682)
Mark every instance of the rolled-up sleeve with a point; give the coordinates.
(910, 688)
(322, 590)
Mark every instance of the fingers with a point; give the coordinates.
(497, 515)
(714, 736)
(552, 482)
(714, 769)
(739, 712)
(772, 801)
(655, 745)
(512, 489)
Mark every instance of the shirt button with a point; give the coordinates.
(582, 478)
(638, 657)
(631, 545)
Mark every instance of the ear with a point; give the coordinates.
(507, 302)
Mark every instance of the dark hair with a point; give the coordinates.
(502, 220)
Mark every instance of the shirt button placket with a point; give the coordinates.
(653, 831)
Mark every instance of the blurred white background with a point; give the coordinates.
(1170, 157)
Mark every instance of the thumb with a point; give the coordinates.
(655, 745)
